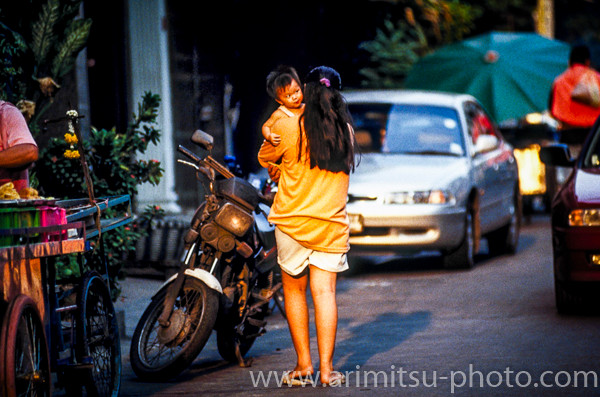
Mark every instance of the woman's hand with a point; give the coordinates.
(274, 172)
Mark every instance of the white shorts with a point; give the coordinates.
(294, 258)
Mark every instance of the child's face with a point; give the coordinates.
(290, 96)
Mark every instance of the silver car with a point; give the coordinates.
(435, 175)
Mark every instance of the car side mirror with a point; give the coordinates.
(485, 143)
(203, 139)
(557, 154)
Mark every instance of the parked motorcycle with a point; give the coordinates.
(227, 280)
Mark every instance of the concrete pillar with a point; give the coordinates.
(149, 71)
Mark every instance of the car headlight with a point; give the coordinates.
(423, 197)
(585, 217)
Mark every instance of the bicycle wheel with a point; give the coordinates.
(159, 353)
(97, 337)
(25, 369)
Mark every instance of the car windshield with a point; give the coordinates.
(407, 129)
(592, 156)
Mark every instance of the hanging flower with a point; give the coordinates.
(71, 139)
(71, 154)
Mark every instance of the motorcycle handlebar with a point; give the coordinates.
(212, 163)
(189, 154)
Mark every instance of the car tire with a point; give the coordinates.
(356, 265)
(566, 301)
(463, 257)
(506, 239)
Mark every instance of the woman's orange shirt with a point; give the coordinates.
(310, 204)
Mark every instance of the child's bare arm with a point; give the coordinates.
(274, 139)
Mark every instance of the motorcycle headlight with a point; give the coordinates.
(420, 197)
(585, 217)
(233, 219)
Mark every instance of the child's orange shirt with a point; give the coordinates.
(279, 113)
(310, 204)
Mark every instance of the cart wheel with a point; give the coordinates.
(97, 334)
(25, 368)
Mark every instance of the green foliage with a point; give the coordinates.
(12, 46)
(503, 15)
(115, 169)
(43, 38)
(75, 39)
(393, 52)
(43, 35)
(397, 46)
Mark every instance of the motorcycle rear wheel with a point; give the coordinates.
(161, 354)
(228, 339)
(234, 337)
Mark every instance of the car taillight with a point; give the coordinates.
(585, 217)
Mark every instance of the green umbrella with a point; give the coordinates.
(509, 73)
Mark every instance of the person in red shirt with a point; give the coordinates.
(18, 149)
(575, 118)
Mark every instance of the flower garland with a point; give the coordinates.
(71, 138)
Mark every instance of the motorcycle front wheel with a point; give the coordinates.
(159, 353)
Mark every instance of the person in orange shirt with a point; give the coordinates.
(575, 118)
(283, 85)
(315, 156)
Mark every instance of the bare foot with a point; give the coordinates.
(298, 377)
(333, 378)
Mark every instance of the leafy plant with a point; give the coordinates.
(43, 38)
(393, 52)
(398, 45)
(115, 169)
(12, 46)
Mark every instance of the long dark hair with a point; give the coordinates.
(327, 122)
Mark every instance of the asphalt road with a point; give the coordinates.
(408, 327)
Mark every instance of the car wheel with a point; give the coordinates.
(566, 301)
(357, 265)
(464, 256)
(506, 239)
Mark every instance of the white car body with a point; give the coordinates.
(481, 178)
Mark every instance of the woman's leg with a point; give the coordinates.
(296, 309)
(322, 288)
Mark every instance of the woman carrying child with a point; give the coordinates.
(315, 156)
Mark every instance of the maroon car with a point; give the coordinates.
(576, 224)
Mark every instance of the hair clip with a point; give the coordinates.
(325, 81)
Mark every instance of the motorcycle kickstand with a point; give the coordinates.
(242, 362)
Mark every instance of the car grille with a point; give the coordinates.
(353, 198)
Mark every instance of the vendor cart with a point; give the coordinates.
(60, 333)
